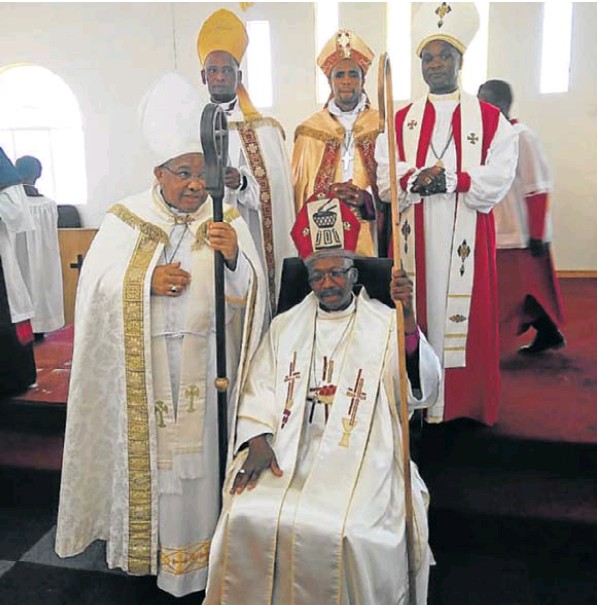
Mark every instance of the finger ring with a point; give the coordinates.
(174, 289)
(242, 471)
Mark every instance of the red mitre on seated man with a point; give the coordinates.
(325, 226)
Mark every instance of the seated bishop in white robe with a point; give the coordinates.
(332, 528)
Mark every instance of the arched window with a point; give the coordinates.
(40, 116)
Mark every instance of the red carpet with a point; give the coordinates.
(53, 357)
(551, 397)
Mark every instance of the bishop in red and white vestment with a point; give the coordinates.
(448, 239)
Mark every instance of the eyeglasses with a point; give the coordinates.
(334, 274)
(185, 175)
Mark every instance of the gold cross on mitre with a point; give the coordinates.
(343, 44)
(245, 5)
(442, 11)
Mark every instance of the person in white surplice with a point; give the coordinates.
(314, 497)
(140, 464)
(17, 364)
(39, 253)
(258, 178)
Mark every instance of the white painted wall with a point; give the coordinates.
(110, 53)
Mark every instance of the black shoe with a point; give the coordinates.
(544, 341)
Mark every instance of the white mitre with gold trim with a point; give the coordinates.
(169, 116)
(454, 22)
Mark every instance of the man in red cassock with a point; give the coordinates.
(457, 159)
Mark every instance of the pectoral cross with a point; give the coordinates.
(346, 160)
(291, 378)
(347, 150)
(357, 395)
(161, 409)
(191, 393)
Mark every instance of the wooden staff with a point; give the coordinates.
(385, 107)
(214, 140)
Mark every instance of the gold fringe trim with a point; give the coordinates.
(319, 135)
(324, 136)
(130, 218)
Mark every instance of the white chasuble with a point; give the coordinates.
(317, 534)
(141, 438)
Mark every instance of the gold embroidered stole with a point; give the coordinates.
(461, 274)
(141, 409)
(253, 152)
(181, 432)
(141, 547)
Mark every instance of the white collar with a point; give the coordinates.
(323, 314)
(451, 96)
(335, 110)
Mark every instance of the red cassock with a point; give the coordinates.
(471, 391)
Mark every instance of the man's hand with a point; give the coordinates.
(223, 237)
(169, 280)
(261, 456)
(401, 289)
(348, 193)
(430, 181)
(536, 247)
(232, 178)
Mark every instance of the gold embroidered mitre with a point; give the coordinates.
(344, 44)
(224, 31)
(454, 22)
